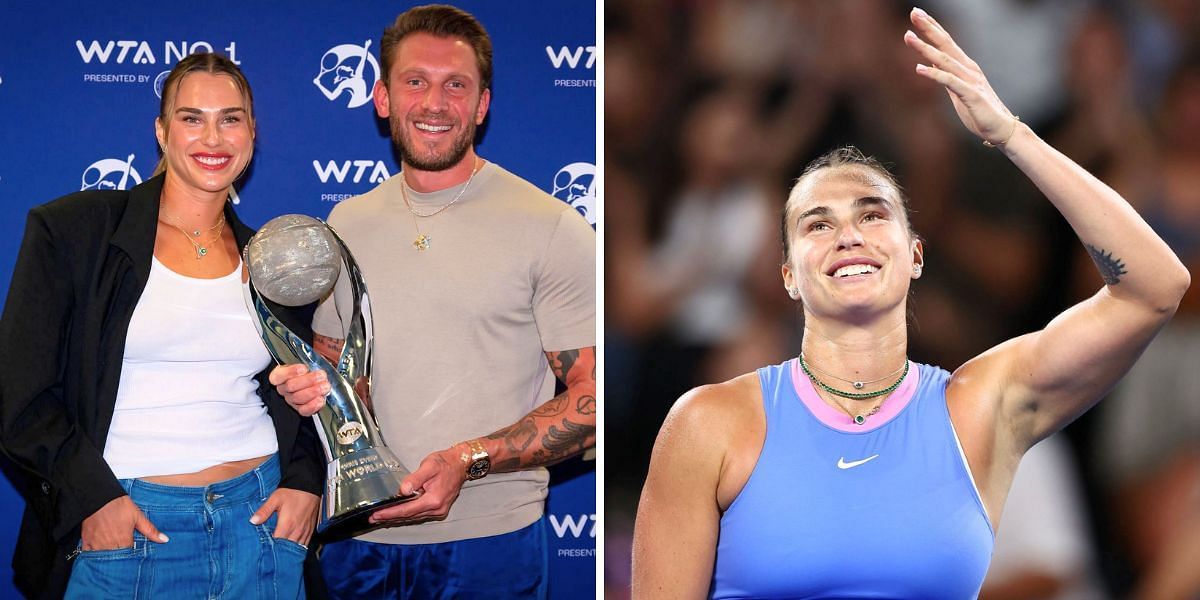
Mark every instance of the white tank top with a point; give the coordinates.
(188, 398)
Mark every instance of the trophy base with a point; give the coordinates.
(355, 522)
(357, 485)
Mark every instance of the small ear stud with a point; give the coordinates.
(917, 270)
(793, 292)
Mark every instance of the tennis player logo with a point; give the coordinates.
(575, 184)
(110, 174)
(345, 69)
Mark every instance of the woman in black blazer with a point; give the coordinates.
(218, 502)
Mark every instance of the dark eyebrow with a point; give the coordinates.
(873, 201)
(814, 211)
(865, 201)
(423, 72)
(196, 111)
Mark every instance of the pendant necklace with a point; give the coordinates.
(421, 243)
(862, 418)
(199, 246)
(858, 385)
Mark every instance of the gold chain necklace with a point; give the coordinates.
(862, 418)
(200, 247)
(858, 385)
(421, 243)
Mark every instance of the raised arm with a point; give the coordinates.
(1045, 379)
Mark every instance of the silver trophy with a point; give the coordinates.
(294, 260)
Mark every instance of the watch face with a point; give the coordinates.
(479, 468)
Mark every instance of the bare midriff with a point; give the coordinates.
(209, 476)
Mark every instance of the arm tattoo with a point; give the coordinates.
(517, 438)
(561, 443)
(556, 406)
(586, 405)
(561, 363)
(328, 347)
(562, 427)
(1111, 267)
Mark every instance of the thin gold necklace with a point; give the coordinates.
(858, 385)
(860, 418)
(422, 241)
(200, 247)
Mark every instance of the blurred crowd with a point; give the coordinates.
(713, 107)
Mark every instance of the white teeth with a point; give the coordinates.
(212, 160)
(434, 128)
(859, 269)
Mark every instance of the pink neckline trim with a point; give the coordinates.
(839, 420)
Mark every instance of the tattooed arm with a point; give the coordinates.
(1056, 374)
(1043, 380)
(558, 429)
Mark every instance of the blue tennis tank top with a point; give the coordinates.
(886, 509)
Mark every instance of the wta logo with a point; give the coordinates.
(374, 171)
(573, 525)
(110, 174)
(575, 184)
(346, 69)
(140, 52)
(571, 57)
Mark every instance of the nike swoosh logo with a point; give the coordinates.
(842, 464)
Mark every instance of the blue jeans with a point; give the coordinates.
(214, 551)
(511, 565)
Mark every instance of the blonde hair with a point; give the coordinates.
(201, 62)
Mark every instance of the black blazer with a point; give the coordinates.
(83, 264)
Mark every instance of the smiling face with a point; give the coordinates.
(850, 249)
(208, 135)
(433, 100)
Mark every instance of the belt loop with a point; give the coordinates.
(260, 476)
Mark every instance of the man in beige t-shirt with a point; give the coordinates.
(483, 293)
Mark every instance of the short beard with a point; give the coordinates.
(458, 150)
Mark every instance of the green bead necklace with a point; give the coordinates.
(858, 419)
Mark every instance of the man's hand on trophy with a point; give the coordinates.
(304, 390)
(438, 480)
(297, 512)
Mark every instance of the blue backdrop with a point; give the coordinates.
(79, 86)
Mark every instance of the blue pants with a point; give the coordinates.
(214, 551)
(512, 565)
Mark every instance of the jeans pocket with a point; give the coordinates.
(107, 555)
(281, 568)
(118, 573)
(287, 545)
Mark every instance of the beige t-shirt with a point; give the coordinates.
(460, 329)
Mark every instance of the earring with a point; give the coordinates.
(917, 270)
(794, 293)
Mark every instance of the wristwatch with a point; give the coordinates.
(478, 461)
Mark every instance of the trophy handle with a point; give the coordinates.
(363, 474)
(345, 423)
